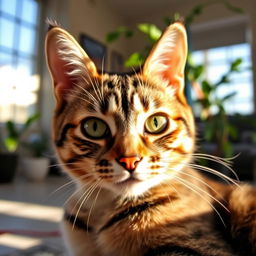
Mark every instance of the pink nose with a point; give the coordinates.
(129, 162)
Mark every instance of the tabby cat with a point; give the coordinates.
(128, 142)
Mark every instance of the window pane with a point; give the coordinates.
(7, 29)
(237, 77)
(198, 57)
(27, 40)
(240, 51)
(217, 63)
(26, 66)
(8, 6)
(243, 108)
(244, 90)
(5, 59)
(29, 11)
(214, 72)
(217, 54)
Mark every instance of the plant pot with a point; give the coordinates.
(35, 168)
(8, 166)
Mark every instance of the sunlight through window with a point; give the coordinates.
(19, 82)
(217, 62)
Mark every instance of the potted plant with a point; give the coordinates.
(10, 141)
(35, 164)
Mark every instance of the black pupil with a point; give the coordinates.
(155, 122)
(95, 126)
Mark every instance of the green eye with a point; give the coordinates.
(94, 128)
(156, 124)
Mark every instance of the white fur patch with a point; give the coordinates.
(112, 107)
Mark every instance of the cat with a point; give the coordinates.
(128, 142)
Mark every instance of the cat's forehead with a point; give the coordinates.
(132, 92)
(121, 81)
(124, 97)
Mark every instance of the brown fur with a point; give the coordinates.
(163, 206)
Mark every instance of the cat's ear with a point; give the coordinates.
(67, 62)
(166, 61)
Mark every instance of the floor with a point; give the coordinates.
(30, 213)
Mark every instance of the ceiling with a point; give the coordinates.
(133, 9)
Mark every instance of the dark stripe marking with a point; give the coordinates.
(184, 121)
(135, 210)
(87, 143)
(79, 157)
(161, 142)
(144, 102)
(125, 102)
(104, 104)
(77, 222)
(61, 140)
(171, 249)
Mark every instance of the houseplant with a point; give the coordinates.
(34, 162)
(10, 141)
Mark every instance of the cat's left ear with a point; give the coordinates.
(166, 61)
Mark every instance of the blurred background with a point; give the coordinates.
(117, 35)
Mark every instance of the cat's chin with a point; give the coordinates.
(133, 187)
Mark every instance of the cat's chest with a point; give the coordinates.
(144, 232)
(138, 229)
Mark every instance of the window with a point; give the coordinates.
(217, 62)
(19, 81)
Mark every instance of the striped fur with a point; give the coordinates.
(162, 206)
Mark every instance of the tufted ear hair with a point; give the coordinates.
(67, 61)
(166, 61)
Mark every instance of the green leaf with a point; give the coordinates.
(128, 33)
(11, 144)
(233, 132)
(112, 36)
(206, 87)
(198, 71)
(167, 21)
(11, 129)
(227, 149)
(233, 8)
(197, 10)
(151, 30)
(224, 80)
(209, 130)
(135, 60)
(235, 65)
(31, 120)
(228, 96)
(176, 17)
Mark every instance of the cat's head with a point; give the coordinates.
(124, 133)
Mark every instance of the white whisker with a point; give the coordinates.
(91, 208)
(188, 184)
(86, 195)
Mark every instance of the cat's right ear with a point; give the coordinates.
(67, 62)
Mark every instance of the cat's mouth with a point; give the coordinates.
(128, 181)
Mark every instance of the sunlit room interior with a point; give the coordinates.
(220, 87)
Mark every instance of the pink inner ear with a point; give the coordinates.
(62, 81)
(171, 73)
